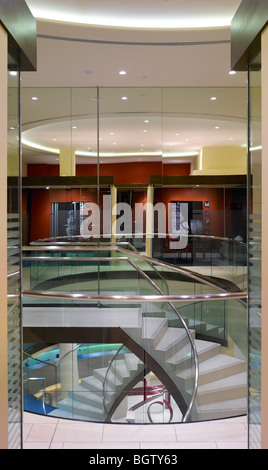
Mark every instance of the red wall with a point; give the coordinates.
(123, 173)
(131, 173)
(216, 204)
(42, 170)
(41, 200)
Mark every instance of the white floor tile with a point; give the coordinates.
(139, 433)
(44, 432)
(77, 431)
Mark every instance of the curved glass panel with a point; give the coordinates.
(169, 338)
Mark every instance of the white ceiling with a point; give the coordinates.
(138, 13)
(72, 54)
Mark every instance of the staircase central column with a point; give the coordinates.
(68, 369)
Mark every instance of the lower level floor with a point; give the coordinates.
(44, 432)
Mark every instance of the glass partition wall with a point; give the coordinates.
(168, 148)
(15, 401)
(254, 252)
(161, 169)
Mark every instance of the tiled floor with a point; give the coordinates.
(43, 432)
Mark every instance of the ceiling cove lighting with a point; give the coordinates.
(39, 147)
(82, 153)
(139, 21)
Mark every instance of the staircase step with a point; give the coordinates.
(92, 383)
(215, 368)
(153, 328)
(172, 341)
(82, 409)
(119, 367)
(132, 362)
(225, 409)
(205, 350)
(83, 395)
(229, 388)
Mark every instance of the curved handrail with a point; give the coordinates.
(51, 240)
(183, 271)
(130, 235)
(136, 298)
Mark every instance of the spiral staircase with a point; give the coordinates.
(207, 379)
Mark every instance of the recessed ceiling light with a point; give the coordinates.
(146, 120)
(232, 72)
(144, 130)
(216, 127)
(111, 133)
(13, 73)
(124, 98)
(122, 72)
(213, 98)
(34, 98)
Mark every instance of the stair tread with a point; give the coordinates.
(170, 336)
(151, 326)
(236, 404)
(219, 361)
(213, 364)
(93, 382)
(237, 380)
(201, 347)
(85, 391)
(75, 405)
(81, 408)
(120, 367)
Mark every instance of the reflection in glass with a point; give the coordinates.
(14, 260)
(254, 249)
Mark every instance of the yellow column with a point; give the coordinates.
(113, 211)
(264, 354)
(228, 160)
(3, 244)
(149, 221)
(67, 162)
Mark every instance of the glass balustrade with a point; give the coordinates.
(181, 352)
